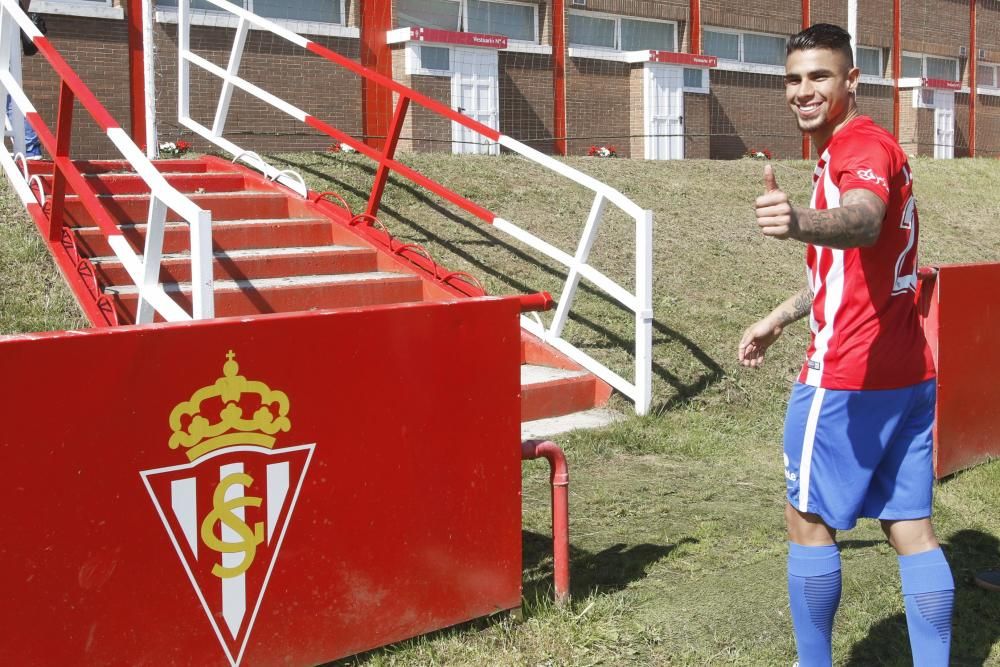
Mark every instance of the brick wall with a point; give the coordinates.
(601, 85)
(526, 98)
(697, 143)
(988, 126)
(781, 17)
(748, 111)
(98, 50)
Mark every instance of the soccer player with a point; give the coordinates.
(857, 438)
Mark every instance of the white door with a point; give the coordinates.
(944, 124)
(474, 93)
(664, 111)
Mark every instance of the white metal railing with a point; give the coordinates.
(638, 302)
(143, 270)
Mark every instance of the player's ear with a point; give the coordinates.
(853, 79)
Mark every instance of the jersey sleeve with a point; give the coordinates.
(863, 164)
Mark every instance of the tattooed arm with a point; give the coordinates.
(759, 336)
(856, 223)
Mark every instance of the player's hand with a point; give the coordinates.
(775, 215)
(756, 339)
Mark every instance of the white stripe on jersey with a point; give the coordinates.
(808, 440)
(834, 282)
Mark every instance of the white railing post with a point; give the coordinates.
(233, 70)
(151, 256)
(183, 68)
(644, 312)
(582, 254)
(149, 78)
(202, 282)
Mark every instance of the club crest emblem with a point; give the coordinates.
(227, 508)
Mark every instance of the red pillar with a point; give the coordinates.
(559, 75)
(806, 21)
(973, 77)
(376, 101)
(136, 74)
(694, 28)
(897, 63)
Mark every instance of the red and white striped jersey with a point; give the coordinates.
(865, 330)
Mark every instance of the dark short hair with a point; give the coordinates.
(823, 36)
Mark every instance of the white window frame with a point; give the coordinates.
(414, 62)
(463, 17)
(742, 54)
(996, 70)
(923, 63)
(101, 9)
(223, 19)
(881, 60)
(618, 30)
(703, 88)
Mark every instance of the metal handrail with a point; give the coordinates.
(639, 302)
(145, 270)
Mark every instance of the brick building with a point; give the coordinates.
(657, 79)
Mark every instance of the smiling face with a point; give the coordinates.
(819, 89)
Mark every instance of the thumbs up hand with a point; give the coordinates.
(775, 215)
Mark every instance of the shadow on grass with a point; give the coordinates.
(974, 627)
(683, 391)
(605, 571)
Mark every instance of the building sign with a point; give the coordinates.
(458, 38)
(942, 84)
(686, 59)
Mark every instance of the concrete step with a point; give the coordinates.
(43, 167)
(551, 392)
(253, 263)
(552, 426)
(274, 295)
(227, 235)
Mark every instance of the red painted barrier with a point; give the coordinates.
(961, 318)
(284, 489)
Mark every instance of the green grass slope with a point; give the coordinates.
(677, 537)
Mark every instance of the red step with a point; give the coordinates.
(187, 182)
(273, 295)
(223, 206)
(253, 263)
(226, 235)
(552, 392)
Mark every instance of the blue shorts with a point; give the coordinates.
(851, 454)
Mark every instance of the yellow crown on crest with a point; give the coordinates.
(231, 428)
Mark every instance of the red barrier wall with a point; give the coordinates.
(366, 488)
(962, 317)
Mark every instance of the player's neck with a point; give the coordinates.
(821, 138)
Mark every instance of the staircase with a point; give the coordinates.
(277, 252)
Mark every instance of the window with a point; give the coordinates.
(986, 75)
(695, 80)
(725, 45)
(913, 66)
(591, 31)
(930, 67)
(748, 47)
(624, 34)
(319, 11)
(441, 14)
(941, 68)
(640, 35)
(494, 17)
(435, 58)
(870, 61)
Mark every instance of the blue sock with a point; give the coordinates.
(814, 592)
(928, 593)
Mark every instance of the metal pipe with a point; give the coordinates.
(559, 478)
(897, 63)
(806, 22)
(973, 77)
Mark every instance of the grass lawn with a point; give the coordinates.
(677, 536)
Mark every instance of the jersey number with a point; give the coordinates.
(907, 282)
